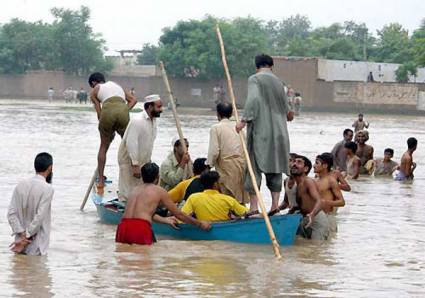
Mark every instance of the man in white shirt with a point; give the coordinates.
(29, 210)
(137, 145)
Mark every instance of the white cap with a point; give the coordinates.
(151, 98)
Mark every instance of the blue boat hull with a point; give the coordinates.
(251, 230)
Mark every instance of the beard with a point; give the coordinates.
(156, 114)
(49, 178)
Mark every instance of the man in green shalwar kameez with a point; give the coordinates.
(266, 112)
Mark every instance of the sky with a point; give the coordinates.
(128, 24)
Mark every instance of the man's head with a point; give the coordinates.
(360, 117)
(43, 165)
(96, 78)
(348, 135)
(177, 146)
(153, 105)
(292, 157)
(301, 166)
(263, 61)
(224, 110)
(388, 154)
(150, 173)
(324, 163)
(362, 136)
(350, 148)
(412, 144)
(199, 166)
(210, 180)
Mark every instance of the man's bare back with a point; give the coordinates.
(407, 165)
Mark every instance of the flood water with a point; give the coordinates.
(377, 252)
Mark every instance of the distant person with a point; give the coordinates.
(339, 153)
(50, 94)
(112, 106)
(135, 226)
(225, 153)
(30, 208)
(370, 77)
(291, 94)
(360, 124)
(297, 103)
(68, 94)
(216, 93)
(407, 166)
(82, 96)
(385, 166)
(266, 112)
(211, 205)
(176, 167)
(353, 161)
(364, 151)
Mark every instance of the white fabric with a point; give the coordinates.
(110, 89)
(291, 193)
(151, 98)
(135, 149)
(30, 212)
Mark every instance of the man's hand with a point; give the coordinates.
(185, 160)
(136, 171)
(310, 217)
(204, 225)
(290, 116)
(239, 126)
(172, 221)
(19, 245)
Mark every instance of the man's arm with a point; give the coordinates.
(213, 148)
(169, 176)
(354, 124)
(131, 99)
(132, 144)
(237, 208)
(96, 101)
(336, 191)
(41, 212)
(356, 168)
(12, 216)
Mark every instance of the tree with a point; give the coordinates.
(403, 71)
(393, 44)
(418, 45)
(149, 55)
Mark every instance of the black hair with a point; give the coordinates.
(390, 151)
(307, 163)
(293, 155)
(209, 178)
(199, 166)
(177, 143)
(150, 171)
(412, 143)
(352, 146)
(96, 77)
(297, 94)
(326, 158)
(146, 105)
(346, 131)
(361, 115)
(224, 109)
(263, 60)
(42, 162)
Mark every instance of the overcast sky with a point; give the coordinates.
(127, 24)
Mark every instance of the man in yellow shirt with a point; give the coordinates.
(210, 205)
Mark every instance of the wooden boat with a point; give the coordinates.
(252, 230)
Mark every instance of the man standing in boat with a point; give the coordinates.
(266, 112)
(135, 226)
(226, 155)
(137, 144)
(112, 105)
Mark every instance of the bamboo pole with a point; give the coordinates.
(86, 196)
(248, 160)
(173, 106)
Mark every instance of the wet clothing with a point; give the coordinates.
(171, 173)
(384, 168)
(110, 90)
(134, 231)
(400, 176)
(114, 117)
(225, 153)
(319, 230)
(291, 193)
(30, 213)
(273, 180)
(265, 113)
(185, 188)
(210, 205)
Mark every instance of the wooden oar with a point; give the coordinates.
(173, 106)
(86, 196)
(248, 161)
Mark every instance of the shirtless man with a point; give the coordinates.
(353, 161)
(360, 124)
(329, 190)
(315, 224)
(342, 183)
(364, 152)
(407, 166)
(385, 166)
(135, 226)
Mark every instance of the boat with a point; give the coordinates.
(251, 230)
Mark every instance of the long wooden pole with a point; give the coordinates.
(86, 196)
(173, 106)
(245, 150)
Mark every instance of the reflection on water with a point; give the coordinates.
(377, 252)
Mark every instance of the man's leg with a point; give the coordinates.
(274, 184)
(253, 199)
(101, 159)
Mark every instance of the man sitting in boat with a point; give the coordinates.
(315, 224)
(176, 167)
(192, 185)
(135, 226)
(211, 205)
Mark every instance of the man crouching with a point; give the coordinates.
(135, 226)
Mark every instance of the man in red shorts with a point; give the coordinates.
(135, 226)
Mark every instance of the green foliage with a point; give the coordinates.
(68, 44)
(403, 71)
(393, 44)
(149, 55)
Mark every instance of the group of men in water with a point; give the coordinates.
(151, 192)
